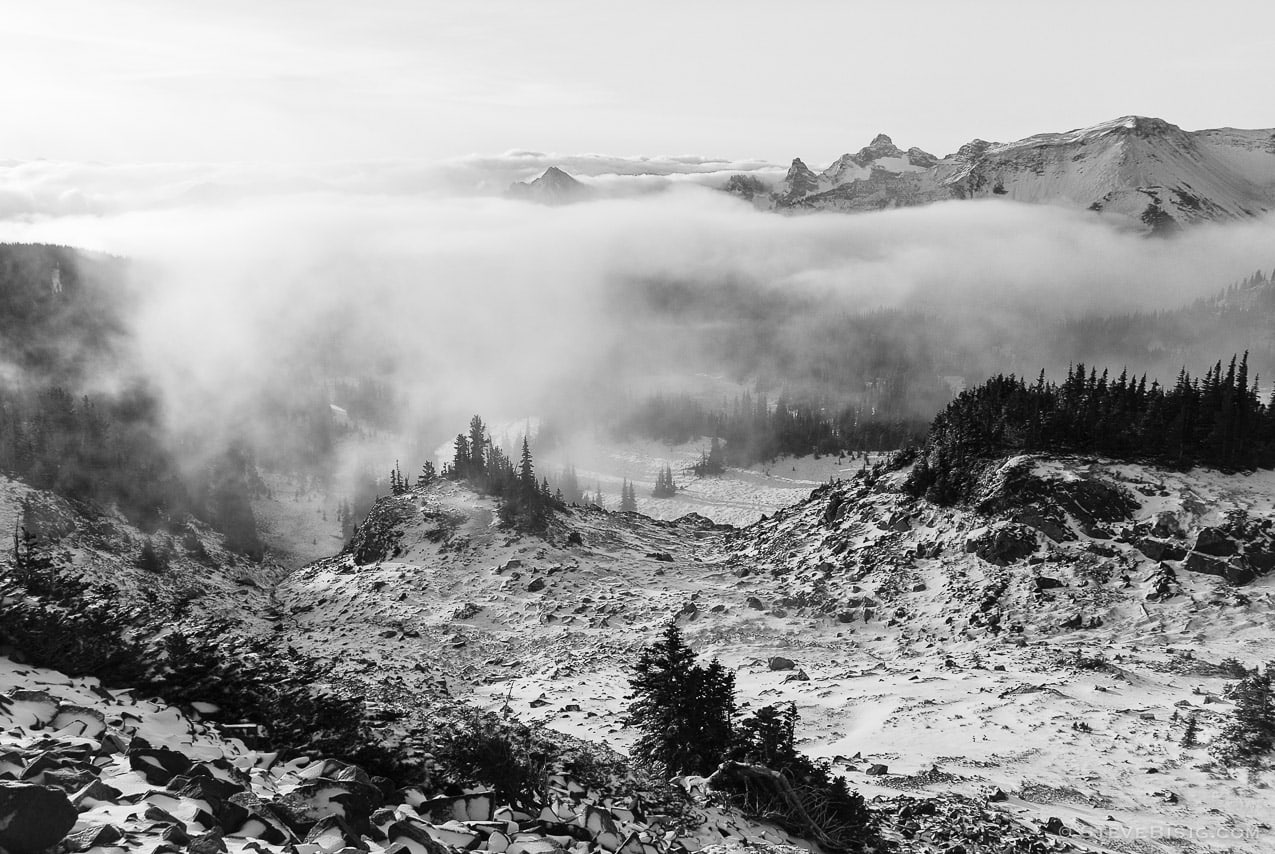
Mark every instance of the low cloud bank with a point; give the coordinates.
(466, 301)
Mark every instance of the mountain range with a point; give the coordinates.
(1141, 169)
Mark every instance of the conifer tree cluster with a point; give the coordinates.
(1216, 421)
(628, 497)
(687, 719)
(399, 485)
(1249, 736)
(664, 485)
(525, 504)
(712, 461)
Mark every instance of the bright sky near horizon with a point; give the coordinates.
(322, 80)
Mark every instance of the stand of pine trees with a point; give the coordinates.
(525, 504)
(664, 485)
(1217, 421)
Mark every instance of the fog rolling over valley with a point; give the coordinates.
(593, 430)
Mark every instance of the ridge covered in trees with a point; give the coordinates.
(1218, 421)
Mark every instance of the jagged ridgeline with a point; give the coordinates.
(1218, 421)
(64, 338)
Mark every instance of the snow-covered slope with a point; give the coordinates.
(1140, 169)
(1032, 645)
(1031, 658)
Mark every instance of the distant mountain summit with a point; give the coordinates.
(554, 187)
(1142, 169)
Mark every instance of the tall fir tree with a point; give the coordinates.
(628, 498)
(478, 443)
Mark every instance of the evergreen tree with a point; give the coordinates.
(685, 713)
(526, 472)
(478, 443)
(677, 705)
(1250, 734)
(460, 457)
(768, 736)
(1190, 735)
(628, 498)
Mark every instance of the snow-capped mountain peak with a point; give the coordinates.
(553, 187)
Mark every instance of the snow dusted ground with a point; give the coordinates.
(1083, 724)
(1075, 709)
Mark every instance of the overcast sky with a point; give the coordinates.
(321, 80)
